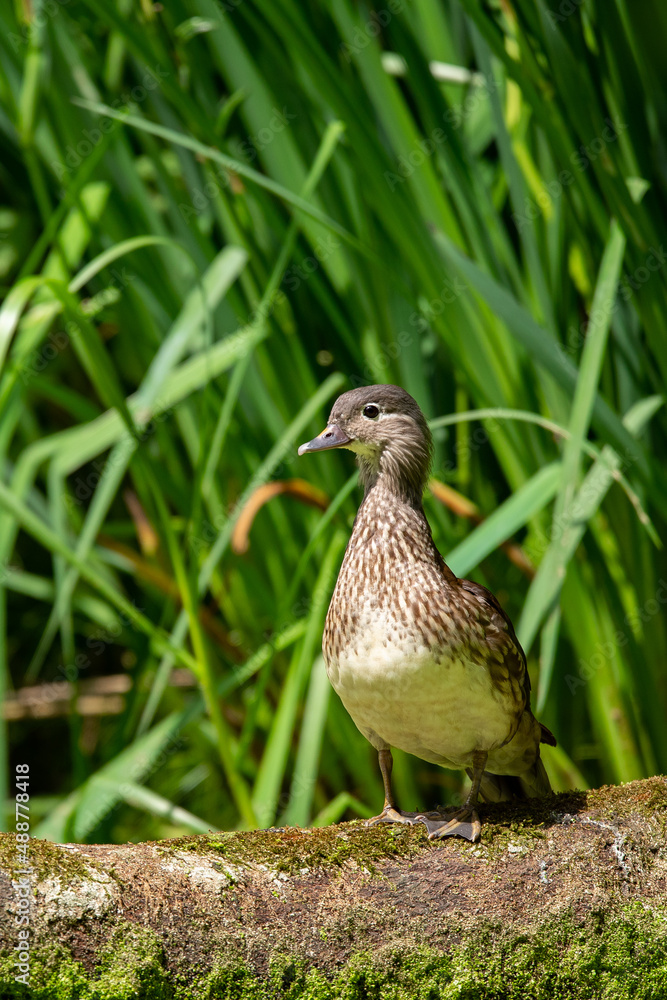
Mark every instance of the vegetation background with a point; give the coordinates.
(215, 216)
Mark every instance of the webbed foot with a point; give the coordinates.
(392, 815)
(464, 823)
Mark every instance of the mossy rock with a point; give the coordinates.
(564, 898)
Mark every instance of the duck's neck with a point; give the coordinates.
(387, 480)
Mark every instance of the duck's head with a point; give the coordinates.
(384, 427)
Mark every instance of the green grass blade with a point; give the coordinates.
(513, 514)
(306, 765)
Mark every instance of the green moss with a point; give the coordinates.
(604, 958)
(132, 965)
(646, 798)
(292, 849)
(54, 975)
(522, 822)
(615, 959)
(47, 859)
(531, 814)
(515, 838)
(129, 966)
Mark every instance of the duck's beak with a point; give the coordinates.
(331, 437)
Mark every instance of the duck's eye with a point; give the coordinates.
(371, 411)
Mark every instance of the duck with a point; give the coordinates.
(423, 661)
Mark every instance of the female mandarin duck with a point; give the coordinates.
(421, 660)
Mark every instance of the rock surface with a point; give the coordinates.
(565, 897)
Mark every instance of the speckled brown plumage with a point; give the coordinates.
(422, 661)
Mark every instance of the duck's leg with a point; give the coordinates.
(390, 814)
(465, 822)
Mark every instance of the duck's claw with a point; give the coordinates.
(392, 815)
(465, 823)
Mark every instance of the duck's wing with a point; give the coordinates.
(499, 630)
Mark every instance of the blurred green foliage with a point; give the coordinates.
(215, 216)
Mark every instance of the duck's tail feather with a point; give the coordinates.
(546, 736)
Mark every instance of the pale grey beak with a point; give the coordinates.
(331, 437)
